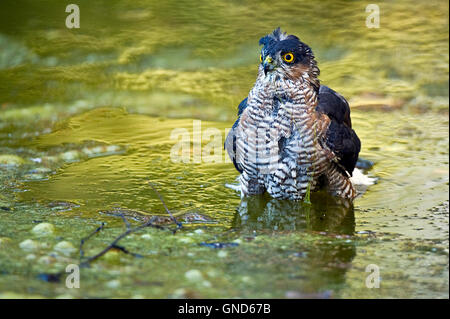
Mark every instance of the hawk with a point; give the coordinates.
(292, 134)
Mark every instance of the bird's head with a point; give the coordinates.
(286, 56)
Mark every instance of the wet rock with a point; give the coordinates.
(193, 218)
(179, 293)
(29, 245)
(35, 177)
(102, 150)
(222, 254)
(193, 275)
(43, 229)
(185, 240)
(41, 170)
(112, 256)
(11, 160)
(70, 156)
(246, 279)
(113, 284)
(65, 248)
(60, 205)
(47, 260)
(30, 257)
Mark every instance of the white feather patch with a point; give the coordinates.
(359, 178)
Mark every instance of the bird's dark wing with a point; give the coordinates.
(334, 105)
(230, 142)
(340, 138)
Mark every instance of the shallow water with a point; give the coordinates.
(87, 120)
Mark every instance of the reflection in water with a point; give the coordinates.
(325, 213)
(326, 263)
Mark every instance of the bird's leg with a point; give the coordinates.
(338, 184)
(250, 185)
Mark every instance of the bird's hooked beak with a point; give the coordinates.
(268, 64)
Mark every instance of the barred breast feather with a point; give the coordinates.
(279, 143)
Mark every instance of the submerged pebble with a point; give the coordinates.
(30, 257)
(193, 275)
(113, 284)
(43, 229)
(65, 247)
(70, 156)
(222, 254)
(29, 245)
(146, 236)
(185, 240)
(112, 256)
(11, 160)
(179, 293)
(47, 260)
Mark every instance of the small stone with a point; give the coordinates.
(113, 148)
(146, 236)
(112, 256)
(193, 275)
(199, 231)
(65, 247)
(185, 240)
(46, 260)
(43, 229)
(246, 279)
(70, 156)
(29, 245)
(179, 293)
(237, 241)
(113, 284)
(206, 283)
(35, 177)
(11, 160)
(222, 254)
(30, 257)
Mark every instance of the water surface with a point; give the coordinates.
(87, 116)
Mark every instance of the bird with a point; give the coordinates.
(292, 135)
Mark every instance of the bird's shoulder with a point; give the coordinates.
(337, 136)
(334, 105)
(230, 141)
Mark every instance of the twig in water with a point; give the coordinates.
(113, 244)
(179, 225)
(83, 240)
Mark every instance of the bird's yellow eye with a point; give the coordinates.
(288, 57)
(260, 58)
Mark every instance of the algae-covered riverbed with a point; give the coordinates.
(89, 117)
